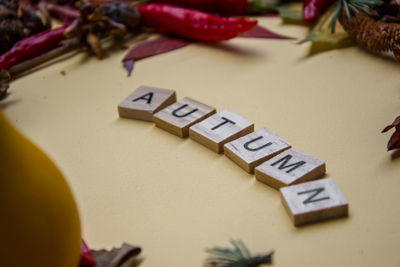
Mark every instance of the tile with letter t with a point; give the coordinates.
(251, 150)
(178, 117)
(219, 129)
(144, 102)
(314, 201)
(288, 168)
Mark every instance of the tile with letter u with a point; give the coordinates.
(178, 117)
(251, 150)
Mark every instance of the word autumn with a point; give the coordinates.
(273, 160)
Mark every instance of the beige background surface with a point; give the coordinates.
(139, 184)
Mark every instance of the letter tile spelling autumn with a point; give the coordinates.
(274, 161)
(178, 117)
(220, 128)
(144, 102)
(253, 149)
(289, 168)
(314, 201)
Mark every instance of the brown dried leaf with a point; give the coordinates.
(394, 141)
(115, 257)
(395, 123)
(261, 32)
(153, 47)
(93, 41)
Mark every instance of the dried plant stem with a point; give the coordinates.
(259, 260)
(377, 36)
(6, 76)
(32, 63)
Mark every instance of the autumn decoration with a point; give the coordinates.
(394, 141)
(238, 256)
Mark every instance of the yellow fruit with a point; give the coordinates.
(39, 222)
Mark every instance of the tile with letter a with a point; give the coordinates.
(144, 102)
(314, 201)
(251, 150)
(220, 128)
(178, 117)
(288, 168)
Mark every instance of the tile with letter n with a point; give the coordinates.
(144, 102)
(251, 150)
(314, 201)
(288, 168)
(219, 129)
(178, 117)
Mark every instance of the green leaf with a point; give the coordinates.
(257, 6)
(239, 256)
(228, 257)
(243, 248)
(226, 253)
(322, 37)
(291, 13)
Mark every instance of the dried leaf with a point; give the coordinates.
(153, 47)
(94, 43)
(291, 13)
(115, 257)
(394, 141)
(322, 37)
(261, 32)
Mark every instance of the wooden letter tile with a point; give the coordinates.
(219, 129)
(144, 102)
(314, 201)
(288, 168)
(251, 150)
(178, 117)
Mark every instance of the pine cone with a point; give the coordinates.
(11, 29)
(376, 36)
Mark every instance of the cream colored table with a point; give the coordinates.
(137, 183)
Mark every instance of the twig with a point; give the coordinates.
(68, 46)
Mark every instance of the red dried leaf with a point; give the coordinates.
(61, 12)
(153, 47)
(86, 256)
(261, 32)
(395, 123)
(394, 141)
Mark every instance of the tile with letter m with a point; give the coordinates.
(314, 201)
(289, 168)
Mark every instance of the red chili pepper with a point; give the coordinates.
(313, 9)
(231, 7)
(32, 46)
(192, 23)
(219, 6)
(86, 256)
